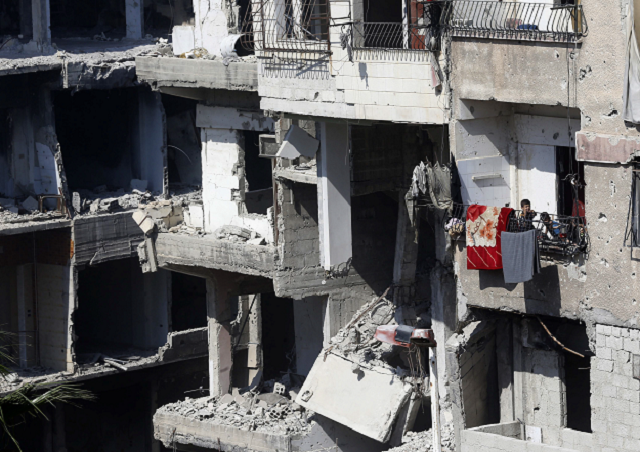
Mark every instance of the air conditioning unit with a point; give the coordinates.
(268, 146)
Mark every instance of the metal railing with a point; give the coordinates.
(556, 234)
(393, 35)
(286, 26)
(511, 20)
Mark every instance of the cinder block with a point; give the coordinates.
(604, 329)
(615, 343)
(603, 353)
(605, 365)
(632, 345)
(616, 332)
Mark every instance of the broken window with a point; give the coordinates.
(183, 141)
(258, 175)
(80, 18)
(188, 302)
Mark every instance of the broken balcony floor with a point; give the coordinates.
(19, 58)
(92, 364)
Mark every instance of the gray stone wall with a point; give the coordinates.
(615, 394)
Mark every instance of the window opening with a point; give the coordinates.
(258, 174)
(570, 185)
(188, 302)
(81, 18)
(184, 153)
(9, 18)
(632, 233)
(278, 336)
(93, 128)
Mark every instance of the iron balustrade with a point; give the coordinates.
(557, 234)
(511, 20)
(286, 26)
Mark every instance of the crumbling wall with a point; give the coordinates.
(478, 371)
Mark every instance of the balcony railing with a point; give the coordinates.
(284, 27)
(557, 234)
(511, 20)
(393, 35)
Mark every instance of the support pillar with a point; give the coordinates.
(334, 195)
(26, 316)
(41, 23)
(218, 319)
(134, 10)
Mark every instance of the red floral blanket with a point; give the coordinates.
(484, 227)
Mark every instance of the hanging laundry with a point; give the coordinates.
(520, 256)
(439, 178)
(484, 229)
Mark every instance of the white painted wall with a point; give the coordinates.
(211, 25)
(223, 168)
(334, 194)
(537, 177)
(376, 85)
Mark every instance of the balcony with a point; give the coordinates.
(521, 21)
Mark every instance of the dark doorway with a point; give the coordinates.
(188, 302)
(278, 336)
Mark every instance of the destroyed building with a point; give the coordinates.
(323, 225)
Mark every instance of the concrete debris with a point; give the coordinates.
(269, 412)
(31, 204)
(423, 441)
(233, 233)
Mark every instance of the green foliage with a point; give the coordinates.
(30, 400)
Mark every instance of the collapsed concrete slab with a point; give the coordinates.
(198, 73)
(335, 390)
(207, 252)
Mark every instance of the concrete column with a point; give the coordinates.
(59, 431)
(150, 148)
(134, 10)
(26, 316)
(406, 254)
(334, 195)
(41, 22)
(150, 310)
(220, 353)
(222, 176)
(309, 331)
(504, 355)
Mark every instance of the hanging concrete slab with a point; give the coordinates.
(367, 401)
(297, 142)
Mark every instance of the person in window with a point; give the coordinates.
(524, 220)
(552, 228)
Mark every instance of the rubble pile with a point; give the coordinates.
(423, 441)
(269, 412)
(101, 200)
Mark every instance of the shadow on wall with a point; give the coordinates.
(318, 70)
(544, 287)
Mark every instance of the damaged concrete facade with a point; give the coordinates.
(211, 212)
